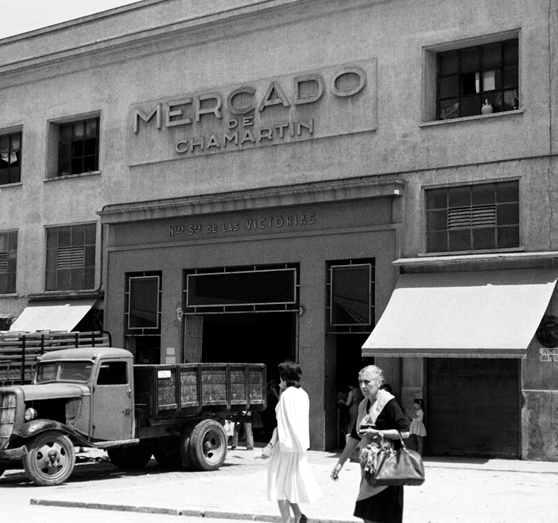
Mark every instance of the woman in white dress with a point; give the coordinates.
(290, 481)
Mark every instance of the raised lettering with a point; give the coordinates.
(240, 110)
(248, 137)
(265, 132)
(212, 142)
(309, 79)
(274, 96)
(215, 110)
(356, 89)
(182, 146)
(230, 138)
(308, 126)
(138, 113)
(172, 112)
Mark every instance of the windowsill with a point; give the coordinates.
(67, 176)
(9, 295)
(471, 118)
(471, 252)
(7, 185)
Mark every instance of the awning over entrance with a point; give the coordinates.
(463, 314)
(62, 316)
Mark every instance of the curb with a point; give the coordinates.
(210, 514)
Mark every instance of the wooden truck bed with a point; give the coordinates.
(187, 389)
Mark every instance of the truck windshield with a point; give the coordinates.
(64, 371)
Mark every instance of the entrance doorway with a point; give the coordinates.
(268, 338)
(473, 407)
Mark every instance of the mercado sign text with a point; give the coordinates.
(291, 108)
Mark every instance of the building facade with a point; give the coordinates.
(338, 182)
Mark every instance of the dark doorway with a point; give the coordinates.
(473, 407)
(268, 338)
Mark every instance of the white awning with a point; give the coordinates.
(463, 314)
(62, 316)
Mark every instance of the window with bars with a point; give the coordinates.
(10, 158)
(350, 295)
(78, 147)
(241, 289)
(478, 80)
(473, 217)
(71, 257)
(8, 261)
(143, 303)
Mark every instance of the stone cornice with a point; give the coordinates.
(304, 194)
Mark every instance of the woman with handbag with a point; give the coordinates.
(380, 422)
(290, 481)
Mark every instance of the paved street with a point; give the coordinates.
(458, 490)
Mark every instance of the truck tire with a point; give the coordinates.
(206, 446)
(130, 458)
(50, 459)
(167, 453)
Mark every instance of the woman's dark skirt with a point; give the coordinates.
(385, 507)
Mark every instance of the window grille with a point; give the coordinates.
(253, 289)
(8, 261)
(144, 302)
(351, 296)
(71, 257)
(473, 217)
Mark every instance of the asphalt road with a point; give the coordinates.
(455, 491)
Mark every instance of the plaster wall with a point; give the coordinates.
(42, 83)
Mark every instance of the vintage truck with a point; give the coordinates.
(96, 397)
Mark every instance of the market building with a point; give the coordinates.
(338, 182)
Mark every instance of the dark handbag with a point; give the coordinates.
(397, 467)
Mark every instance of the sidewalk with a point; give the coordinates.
(458, 490)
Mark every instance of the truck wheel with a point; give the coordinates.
(129, 458)
(167, 453)
(206, 448)
(50, 459)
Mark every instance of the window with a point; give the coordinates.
(10, 158)
(473, 217)
(71, 257)
(350, 287)
(144, 302)
(78, 147)
(113, 373)
(477, 80)
(8, 261)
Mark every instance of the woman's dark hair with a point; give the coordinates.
(290, 372)
(420, 402)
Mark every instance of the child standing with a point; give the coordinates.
(417, 424)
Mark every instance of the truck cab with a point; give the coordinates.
(105, 410)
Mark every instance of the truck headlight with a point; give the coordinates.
(30, 414)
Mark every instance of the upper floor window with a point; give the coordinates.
(476, 80)
(71, 257)
(78, 147)
(473, 217)
(10, 158)
(8, 261)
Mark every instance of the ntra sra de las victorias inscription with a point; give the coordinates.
(335, 100)
(276, 223)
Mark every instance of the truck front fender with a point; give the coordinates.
(37, 426)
